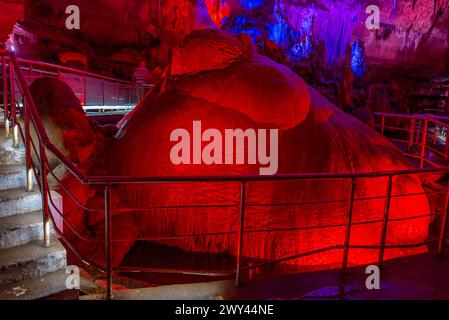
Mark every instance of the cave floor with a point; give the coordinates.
(419, 277)
(424, 276)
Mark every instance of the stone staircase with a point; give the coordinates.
(28, 270)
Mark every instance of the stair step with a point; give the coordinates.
(32, 289)
(10, 155)
(31, 261)
(18, 201)
(12, 177)
(20, 229)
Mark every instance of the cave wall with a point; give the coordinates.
(116, 35)
(389, 68)
(112, 33)
(413, 29)
(408, 30)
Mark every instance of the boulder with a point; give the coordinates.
(314, 137)
(238, 88)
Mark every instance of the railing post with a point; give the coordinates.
(107, 225)
(7, 127)
(446, 142)
(385, 221)
(423, 145)
(27, 142)
(44, 192)
(348, 227)
(118, 93)
(411, 132)
(418, 132)
(435, 132)
(85, 91)
(241, 233)
(15, 125)
(104, 93)
(382, 126)
(5, 97)
(444, 221)
(29, 179)
(15, 135)
(30, 66)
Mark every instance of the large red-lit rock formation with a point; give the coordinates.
(238, 88)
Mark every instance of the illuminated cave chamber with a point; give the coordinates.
(313, 135)
(227, 80)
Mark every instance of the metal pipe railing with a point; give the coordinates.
(241, 233)
(108, 247)
(419, 135)
(348, 226)
(444, 223)
(127, 88)
(45, 193)
(32, 119)
(5, 98)
(423, 144)
(32, 64)
(13, 110)
(385, 222)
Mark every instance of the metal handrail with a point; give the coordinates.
(171, 179)
(123, 89)
(72, 71)
(31, 117)
(424, 131)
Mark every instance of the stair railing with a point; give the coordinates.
(426, 132)
(43, 145)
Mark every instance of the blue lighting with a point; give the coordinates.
(251, 4)
(301, 50)
(307, 25)
(242, 24)
(358, 65)
(278, 31)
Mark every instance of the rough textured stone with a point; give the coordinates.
(314, 137)
(12, 177)
(31, 260)
(37, 288)
(21, 229)
(16, 201)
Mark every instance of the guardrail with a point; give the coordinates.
(40, 148)
(427, 135)
(95, 92)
